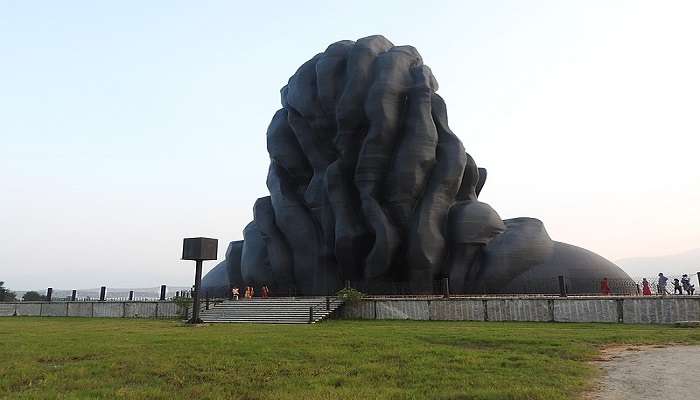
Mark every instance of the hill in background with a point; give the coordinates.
(671, 265)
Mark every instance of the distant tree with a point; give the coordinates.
(33, 296)
(6, 294)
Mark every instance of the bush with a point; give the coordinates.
(350, 295)
(183, 305)
(33, 296)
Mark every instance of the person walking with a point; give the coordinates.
(661, 283)
(604, 287)
(265, 292)
(235, 292)
(677, 288)
(646, 289)
(685, 282)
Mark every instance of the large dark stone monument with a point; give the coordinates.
(369, 184)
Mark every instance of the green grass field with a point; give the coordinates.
(68, 358)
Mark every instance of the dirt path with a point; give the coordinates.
(651, 372)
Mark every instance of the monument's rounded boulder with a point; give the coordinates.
(524, 243)
(583, 271)
(524, 259)
(473, 222)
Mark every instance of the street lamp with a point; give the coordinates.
(198, 249)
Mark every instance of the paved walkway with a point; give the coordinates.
(658, 373)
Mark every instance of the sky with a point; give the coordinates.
(126, 126)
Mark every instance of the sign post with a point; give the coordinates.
(198, 249)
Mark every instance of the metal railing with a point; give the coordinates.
(551, 286)
(325, 306)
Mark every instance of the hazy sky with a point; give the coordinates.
(128, 125)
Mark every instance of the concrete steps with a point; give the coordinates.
(279, 310)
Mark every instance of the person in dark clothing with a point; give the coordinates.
(677, 288)
(685, 282)
(662, 284)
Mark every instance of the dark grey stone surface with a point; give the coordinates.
(255, 260)
(226, 274)
(215, 282)
(369, 184)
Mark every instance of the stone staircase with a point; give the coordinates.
(278, 310)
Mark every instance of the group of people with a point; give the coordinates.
(679, 286)
(249, 292)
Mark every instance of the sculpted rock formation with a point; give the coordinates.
(369, 184)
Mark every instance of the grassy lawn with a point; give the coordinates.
(67, 358)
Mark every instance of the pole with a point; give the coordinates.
(162, 292)
(73, 295)
(446, 288)
(103, 291)
(197, 284)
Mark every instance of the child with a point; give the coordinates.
(677, 288)
(646, 289)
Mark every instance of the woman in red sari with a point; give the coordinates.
(646, 289)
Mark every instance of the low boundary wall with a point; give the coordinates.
(629, 310)
(105, 309)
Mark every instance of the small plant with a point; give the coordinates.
(350, 295)
(183, 305)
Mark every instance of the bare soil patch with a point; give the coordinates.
(666, 372)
